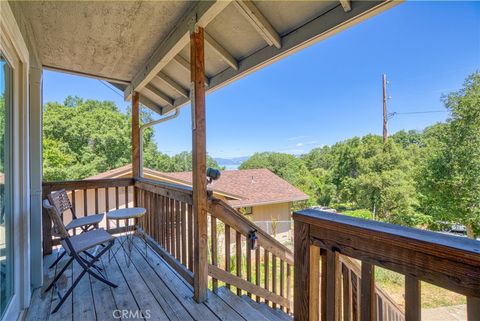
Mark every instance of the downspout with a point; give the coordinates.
(148, 125)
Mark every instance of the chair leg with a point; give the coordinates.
(59, 274)
(57, 260)
(69, 291)
(86, 269)
(87, 266)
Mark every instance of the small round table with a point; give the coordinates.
(130, 230)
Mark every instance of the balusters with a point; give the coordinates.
(282, 279)
(227, 251)
(107, 206)
(117, 204)
(347, 303)
(177, 230)
(413, 308)
(249, 266)
(96, 200)
(367, 292)
(289, 285)
(238, 241)
(85, 203)
(473, 308)
(183, 215)
(213, 231)
(257, 269)
(266, 271)
(274, 277)
(190, 237)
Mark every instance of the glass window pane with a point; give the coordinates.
(6, 260)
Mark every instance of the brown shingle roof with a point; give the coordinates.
(250, 187)
(253, 186)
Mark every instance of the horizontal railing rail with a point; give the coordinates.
(447, 261)
(263, 272)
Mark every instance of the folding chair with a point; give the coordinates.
(60, 200)
(75, 246)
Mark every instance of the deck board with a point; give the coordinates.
(147, 284)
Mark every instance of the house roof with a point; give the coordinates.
(248, 187)
(143, 46)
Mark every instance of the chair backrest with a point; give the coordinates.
(60, 200)
(59, 229)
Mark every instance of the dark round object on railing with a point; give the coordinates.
(213, 174)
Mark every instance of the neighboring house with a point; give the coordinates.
(257, 193)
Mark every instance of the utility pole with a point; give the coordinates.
(385, 113)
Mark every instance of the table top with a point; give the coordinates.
(125, 213)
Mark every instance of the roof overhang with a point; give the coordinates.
(143, 46)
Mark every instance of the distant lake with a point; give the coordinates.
(230, 166)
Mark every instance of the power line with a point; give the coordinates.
(391, 115)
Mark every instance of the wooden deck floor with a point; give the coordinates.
(148, 289)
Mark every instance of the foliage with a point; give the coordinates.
(450, 178)
(84, 138)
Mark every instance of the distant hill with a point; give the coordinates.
(231, 163)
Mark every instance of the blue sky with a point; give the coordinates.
(330, 91)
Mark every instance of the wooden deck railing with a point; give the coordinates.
(449, 262)
(168, 223)
(264, 273)
(350, 277)
(89, 197)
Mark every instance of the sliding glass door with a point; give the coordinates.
(6, 257)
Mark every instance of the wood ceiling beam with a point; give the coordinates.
(313, 31)
(182, 62)
(221, 51)
(259, 22)
(346, 4)
(155, 107)
(164, 98)
(200, 14)
(172, 84)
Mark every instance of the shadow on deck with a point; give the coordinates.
(148, 289)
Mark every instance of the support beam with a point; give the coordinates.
(172, 84)
(199, 166)
(182, 62)
(346, 4)
(259, 22)
(135, 135)
(164, 98)
(315, 30)
(200, 14)
(222, 52)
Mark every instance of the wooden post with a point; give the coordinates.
(367, 292)
(199, 165)
(135, 135)
(413, 308)
(473, 308)
(306, 277)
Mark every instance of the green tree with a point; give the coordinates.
(84, 138)
(450, 179)
(290, 168)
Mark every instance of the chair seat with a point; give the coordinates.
(86, 220)
(88, 240)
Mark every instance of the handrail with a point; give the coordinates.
(232, 217)
(277, 259)
(443, 260)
